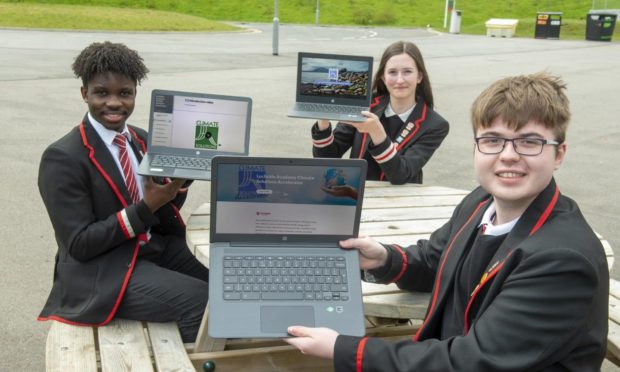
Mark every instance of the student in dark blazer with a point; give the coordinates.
(401, 132)
(519, 280)
(121, 239)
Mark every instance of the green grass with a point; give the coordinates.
(396, 13)
(102, 18)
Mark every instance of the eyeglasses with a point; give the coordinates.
(523, 146)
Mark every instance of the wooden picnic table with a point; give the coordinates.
(399, 214)
(392, 214)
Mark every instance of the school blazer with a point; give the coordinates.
(541, 305)
(99, 232)
(398, 161)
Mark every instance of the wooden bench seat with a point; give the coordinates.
(613, 337)
(121, 345)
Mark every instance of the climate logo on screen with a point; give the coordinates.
(206, 134)
(251, 182)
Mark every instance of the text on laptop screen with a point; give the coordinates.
(286, 199)
(334, 77)
(199, 123)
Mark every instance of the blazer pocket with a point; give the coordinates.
(77, 285)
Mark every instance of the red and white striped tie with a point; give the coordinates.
(130, 180)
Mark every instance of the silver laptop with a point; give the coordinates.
(330, 86)
(274, 256)
(186, 130)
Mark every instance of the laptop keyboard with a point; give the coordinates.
(188, 162)
(320, 107)
(310, 278)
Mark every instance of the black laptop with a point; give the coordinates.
(332, 86)
(186, 130)
(274, 255)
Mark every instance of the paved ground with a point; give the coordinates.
(40, 101)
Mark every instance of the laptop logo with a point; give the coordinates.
(206, 134)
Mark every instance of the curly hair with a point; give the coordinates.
(105, 57)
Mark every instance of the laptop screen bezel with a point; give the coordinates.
(365, 102)
(198, 152)
(279, 238)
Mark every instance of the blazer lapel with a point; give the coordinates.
(532, 219)
(460, 242)
(103, 161)
(452, 255)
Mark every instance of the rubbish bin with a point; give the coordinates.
(548, 25)
(600, 26)
(455, 22)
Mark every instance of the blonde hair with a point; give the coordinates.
(519, 99)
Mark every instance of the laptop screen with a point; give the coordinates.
(288, 198)
(345, 79)
(199, 121)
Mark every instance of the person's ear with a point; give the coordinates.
(420, 77)
(559, 155)
(83, 90)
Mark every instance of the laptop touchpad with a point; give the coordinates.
(276, 319)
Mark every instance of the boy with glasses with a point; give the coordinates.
(519, 280)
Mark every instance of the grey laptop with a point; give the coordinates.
(274, 257)
(331, 86)
(186, 130)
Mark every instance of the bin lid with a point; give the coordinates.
(501, 22)
(550, 13)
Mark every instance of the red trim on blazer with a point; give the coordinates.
(123, 226)
(374, 103)
(325, 141)
(360, 354)
(404, 265)
(135, 135)
(361, 154)
(116, 305)
(417, 127)
(541, 221)
(178, 213)
(478, 288)
(443, 262)
(91, 156)
(545, 215)
(390, 151)
(410, 136)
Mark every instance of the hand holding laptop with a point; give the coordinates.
(372, 125)
(372, 253)
(156, 195)
(313, 341)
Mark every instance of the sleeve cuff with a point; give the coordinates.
(391, 271)
(140, 217)
(348, 353)
(384, 151)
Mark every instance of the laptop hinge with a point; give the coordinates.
(283, 244)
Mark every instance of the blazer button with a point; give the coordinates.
(129, 264)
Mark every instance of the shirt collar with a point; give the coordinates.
(404, 116)
(495, 230)
(107, 135)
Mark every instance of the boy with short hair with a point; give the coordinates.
(121, 239)
(519, 280)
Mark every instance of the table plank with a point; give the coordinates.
(70, 348)
(412, 201)
(406, 213)
(123, 347)
(168, 349)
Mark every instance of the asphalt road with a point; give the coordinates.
(40, 101)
